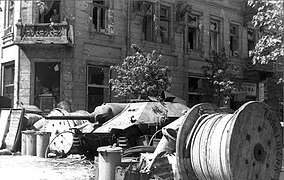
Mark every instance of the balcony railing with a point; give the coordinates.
(44, 33)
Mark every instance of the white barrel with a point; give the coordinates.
(30, 143)
(42, 142)
(109, 159)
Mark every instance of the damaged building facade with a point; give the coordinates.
(62, 50)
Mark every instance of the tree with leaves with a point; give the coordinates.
(270, 17)
(219, 73)
(140, 75)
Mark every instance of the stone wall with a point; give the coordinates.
(102, 49)
(93, 48)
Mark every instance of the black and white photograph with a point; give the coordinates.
(141, 89)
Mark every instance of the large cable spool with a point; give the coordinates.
(245, 145)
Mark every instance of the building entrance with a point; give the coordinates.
(47, 85)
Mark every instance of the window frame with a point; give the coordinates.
(214, 32)
(196, 30)
(9, 13)
(103, 86)
(234, 51)
(100, 7)
(45, 18)
(153, 34)
(166, 19)
(12, 83)
(148, 35)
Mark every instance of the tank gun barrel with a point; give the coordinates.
(89, 118)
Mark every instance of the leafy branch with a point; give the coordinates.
(219, 73)
(269, 17)
(140, 75)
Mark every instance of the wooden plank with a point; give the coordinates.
(4, 116)
(15, 126)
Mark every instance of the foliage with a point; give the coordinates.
(219, 73)
(140, 74)
(270, 17)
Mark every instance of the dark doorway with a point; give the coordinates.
(47, 84)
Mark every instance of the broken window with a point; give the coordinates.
(98, 86)
(234, 40)
(192, 39)
(214, 36)
(165, 24)
(49, 11)
(148, 21)
(100, 10)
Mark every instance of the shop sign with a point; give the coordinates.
(248, 89)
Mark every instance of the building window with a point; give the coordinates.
(100, 10)
(251, 39)
(8, 81)
(98, 86)
(10, 13)
(156, 23)
(214, 36)
(148, 21)
(49, 11)
(165, 24)
(192, 38)
(9, 17)
(197, 87)
(234, 40)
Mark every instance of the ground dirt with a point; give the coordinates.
(36, 168)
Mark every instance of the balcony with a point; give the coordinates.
(269, 67)
(44, 33)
